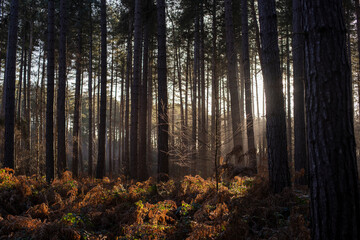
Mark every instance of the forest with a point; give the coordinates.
(180, 119)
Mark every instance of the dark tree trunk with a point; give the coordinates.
(135, 92)
(50, 93)
(61, 160)
(232, 74)
(110, 160)
(127, 110)
(18, 117)
(100, 168)
(289, 129)
(275, 113)
(335, 206)
(150, 107)
(143, 173)
(75, 160)
(90, 162)
(248, 95)
(194, 96)
(10, 77)
(163, 144)
(300, 156)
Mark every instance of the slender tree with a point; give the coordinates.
(232, 74)
(50, 93)
(335, 205)
(248, 95)
(61, 159)
(163, 144)
(100, 168)
(90, 168)
(275, 112)
(300, 156)
(75, 160)
(135, 91)
(10, 85)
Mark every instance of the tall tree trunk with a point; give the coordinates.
(75, 160)
(135, 92)
(163, 144)
(61, 160)
(10, 77)
(111, 166)
(248, 97)
(28, 103)
(289, 128)
(300, 155)
(202, 126)
(143, 173)
(90, 161)
(232, 74)
(335, 205)
(194, 96)
(100, 168)
(275, 113)
(127, 108)
(150, 107)
(20, 82)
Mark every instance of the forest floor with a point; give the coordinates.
(242, 208)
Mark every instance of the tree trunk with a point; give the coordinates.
(100, 168)
(248, 97)
(289, 129)
(10, 77)
(143, 173)
(300, 155)
(232, 74)
(163, 144)
(111, 166)
(127, 112)
(335, 206)
(75, 160)
(135, 91)
(50, 92)
(61, 160)
(275, 113)
(90, 161)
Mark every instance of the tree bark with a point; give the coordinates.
(100, 168)
(10, 77)
(275, 113)
(300, 151)
(50, 93)
(61, 160)
(335, 206)
(163, 144)
(143, 173)
(75, 160)
(135, 91)
(232, 74)
(90, 161)
(248, 96)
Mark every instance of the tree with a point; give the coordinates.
(248, 96)
(335, 206)
(90, 169)
(75, 160)
(163, 135)
(10, 85)
(100, 168)
(61, 160)
(275, 113)
(300, 156)
(50, 93)
(135, 91)
(232, 74)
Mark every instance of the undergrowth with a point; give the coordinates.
(117, 209)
